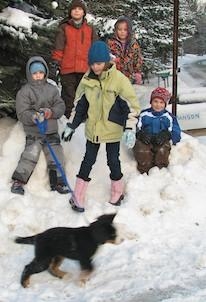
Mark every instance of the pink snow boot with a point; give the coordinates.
(78, 198)
(117, 192)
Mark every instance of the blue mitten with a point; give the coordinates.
(129, 138)
(67, 134)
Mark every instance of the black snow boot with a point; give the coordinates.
(17, 187)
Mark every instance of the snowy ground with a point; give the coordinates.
(162, 221)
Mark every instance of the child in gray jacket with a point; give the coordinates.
(37, 97)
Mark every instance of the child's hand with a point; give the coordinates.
(53, 69)
(37, 116)
(144, 137)
(47, 113)
(162, 137)
(129, 138)
(67, 134)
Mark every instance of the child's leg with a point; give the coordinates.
(89, 160)
(82, 181)
(69, 84)
(54, 142)
(55, 176)
(117, 183)
(144, 156)
(113, 161)
(28, 159)
(161, 157)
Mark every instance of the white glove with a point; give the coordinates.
(67, 134)
(129, 138)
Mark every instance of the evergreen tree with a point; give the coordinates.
(152, 22)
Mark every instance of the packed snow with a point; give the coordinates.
(161, 255)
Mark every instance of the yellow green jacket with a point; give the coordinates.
(107, 103)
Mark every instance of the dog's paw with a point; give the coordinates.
(83, 278)
(25, 283)
(57, 273)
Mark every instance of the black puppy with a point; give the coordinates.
(53, 245)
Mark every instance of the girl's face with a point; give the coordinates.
(77, 13)
(158, 104)
(39, 75)
(122, 31)
(98, 67)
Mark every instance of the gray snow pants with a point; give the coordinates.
(31, 153)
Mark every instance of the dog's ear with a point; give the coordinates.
(108, 218)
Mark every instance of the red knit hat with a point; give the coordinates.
(161, 93)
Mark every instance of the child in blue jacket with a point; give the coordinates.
(156, 129)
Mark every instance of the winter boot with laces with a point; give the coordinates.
(17, 187)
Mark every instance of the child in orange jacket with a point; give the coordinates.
(73, 39)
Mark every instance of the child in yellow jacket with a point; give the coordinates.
(106, 101)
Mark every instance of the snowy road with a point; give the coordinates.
(194, 71)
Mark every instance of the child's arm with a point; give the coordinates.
(24, 109)
(137, 56)
(79, 111)
(58, 106)
(128, 94)
(59, 45)
(176, 131)
(78, 114)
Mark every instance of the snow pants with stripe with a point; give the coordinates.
(31, 153)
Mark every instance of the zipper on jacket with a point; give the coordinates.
(82, 34)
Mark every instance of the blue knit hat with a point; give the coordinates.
(98, 52)
(37, 66)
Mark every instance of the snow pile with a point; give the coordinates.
(162, 221)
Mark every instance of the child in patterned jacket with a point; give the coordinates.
(125, 49)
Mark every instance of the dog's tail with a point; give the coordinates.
(25, 240)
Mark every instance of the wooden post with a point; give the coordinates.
(175, 56)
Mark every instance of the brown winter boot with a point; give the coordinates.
(144, 156)
(161, 156)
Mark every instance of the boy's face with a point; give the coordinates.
(39, 75)
(77, 13)
(158, 104)
(122, 31)
(98, 67)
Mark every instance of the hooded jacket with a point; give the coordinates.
(108, 103)
(72, 45)
(35, 95)
(128, 57)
